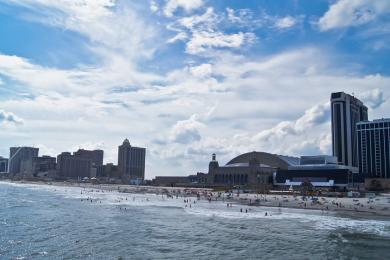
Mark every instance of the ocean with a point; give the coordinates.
(53, 222)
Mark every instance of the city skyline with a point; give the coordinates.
(186, 80)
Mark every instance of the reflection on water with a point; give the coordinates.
(40, 221)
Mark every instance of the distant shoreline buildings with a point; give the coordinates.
(361, 158)
(24, 162)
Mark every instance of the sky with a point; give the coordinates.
(187, 78)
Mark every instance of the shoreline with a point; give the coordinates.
(351, 207)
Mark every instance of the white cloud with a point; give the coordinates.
(249, 102)
(187, 5)
(312, 117)
(242, 17)
(285, 22)
(118, 72)
(202, 71)
(187, 131)
(201, 33)
(8, 117)
(181, 36)
(204, 40)
(154, 6)
(344, 13)
(241, 112)
(45, 150)
(116, 32)
(232, 16)
(206, 21)
(373, 98)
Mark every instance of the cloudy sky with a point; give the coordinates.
(186, 78)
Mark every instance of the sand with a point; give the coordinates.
(365, 207)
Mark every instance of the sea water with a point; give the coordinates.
(57, 222)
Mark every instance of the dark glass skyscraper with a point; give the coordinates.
(374, 148)
(347, 111)
(131, 161)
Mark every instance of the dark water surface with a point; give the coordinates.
(48, 222)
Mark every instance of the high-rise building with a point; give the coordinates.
(96, 156)
(19, 154)
(43, 166)
(131, 161)
(73, 166)
(3, 165)
(374, 148)
(347, 111)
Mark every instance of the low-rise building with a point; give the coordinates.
(320, 171)
(3, 165)
(108, 170)
(171, 181)
(39, 166)
(254, 169)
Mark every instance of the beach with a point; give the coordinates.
(72, 221)
(358, 207)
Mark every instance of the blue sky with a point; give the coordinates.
(186, 78)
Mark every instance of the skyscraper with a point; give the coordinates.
(347, 111)
(374, 148)
(19, 154)
(131, 161)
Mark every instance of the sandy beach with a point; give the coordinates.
(359, 207)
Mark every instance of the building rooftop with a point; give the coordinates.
(243, 165)
(268, 159)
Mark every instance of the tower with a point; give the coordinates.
(346, 112)
(214, 163)
(131, 161)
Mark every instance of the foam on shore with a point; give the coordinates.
(214, 209)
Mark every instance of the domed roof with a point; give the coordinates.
(273, 160)
(126, 141)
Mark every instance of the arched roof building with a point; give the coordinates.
(253, 168)
(272, 160)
